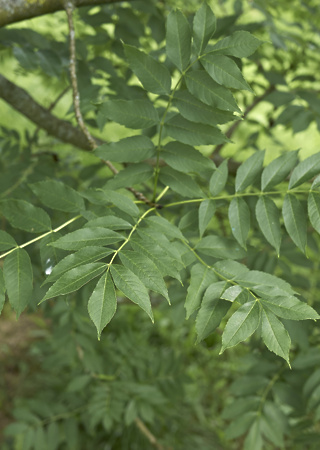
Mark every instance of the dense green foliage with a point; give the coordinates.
(179, 226)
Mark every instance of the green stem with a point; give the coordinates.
(41, 237)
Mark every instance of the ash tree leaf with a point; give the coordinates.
(102, 304)
(131, 175)
(110, 222)
(2, 291)
(206, 211)
(289, 307)
(212, 310)
(130, 149)
(220, 247)
(17, 272)
(238, 294)
(305, 170)
(274, 335)
(134, 114)
(193, 133)
(239, 218)
(24, 216)
(278, 170)
(178, 40)
(84, 256)
(295, 221)
(57, 195)
(87, 237)
(202, 86)
(168, 228)
(146, 270)
(121, 201)
(240, 44)
(249, 170)
(224, 71)
(74, 279)
(180, 182)
(204, 26)
(132, 287)
(219, 178)
(313, 210)
(256, 278)
(201, 278)
(230, 269)
(185, 158)
(195, 110)
(241, 325)
(268, 218)
(6, 241)
(154, 76)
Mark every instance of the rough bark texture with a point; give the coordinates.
(20, 100)
(12, 11)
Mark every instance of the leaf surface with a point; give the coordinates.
(24, 216)
(240, 44)
(180, 182)
(289, 307)
(57, 195)
(207, 209)
(88, 237)
(274, 335)
(268, 218)
(224, 71)
(239, 218)
(2, 290)
(313, 210)
(131, 175)
(178, 40)
(185, 158)
(201, 278)
(305, 170)
(220, 247)
(249, 170)
(6, 241)
(219, 178)
(278, 170)
(295, 221)
(130, 149)
(134, 114)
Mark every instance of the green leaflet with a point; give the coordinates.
(274, 335)
(212, 310)
(24, 216)
(224, 71)
(131, 175)
(254, 438)
(121, 201)
(201, 278)
(219, 178)
(2, 291)
(193, 133)
(305, 170)
(230, 269)
(204, 25)
(162, 224)
(240, 44)
(185, 158)
(255, 278)
(146, 270)
(249, 170)
(181, 183)
(154, 76)
(240, 406)
(102, 304)
(86, 237)
(278, 170)
(6, 241)
(241, 424)
(17, 272)
(57, 195)
(220, 247)
(195, 110)
(134, 114)
(239, 218)
(295, 221)
(110, 222)
(289, 307)
(84, 256)
(130, 149)
(241, 325)
(273, 423)
(132, 287)
(207, 209)
(202, 86)
(178, 40)
(313, 210)
(74, 279)
(268, 218)
(238, 294)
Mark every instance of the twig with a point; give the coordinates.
(235, 125)
(151, 438)
(76, 100)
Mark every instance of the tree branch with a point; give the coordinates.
(12, 11)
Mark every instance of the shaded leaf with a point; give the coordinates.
(239, 218)
(132, 287)
(220, 247)
(289, 308)
(185, 158)
(102, 304)
(121, 201)
(206, 211)
(24, 216)
(201, 278)
(57, 195)
(249, 170)
(2, 291)
(17, 272)
(74, 279)
(241, 325)
(268, 218)
(6, 241)
(313, 210)
(204, 25)
(219, 178)
(134, 114)
(179, 182)
(110, 222)
(240, 44)
(274, 335)
(224, 71)
(130, 149)
(131, 175)
(230, 269)
(88, 237)
(154, 76)
(305, 170)
(178, 40)
(168, 228)
(295, 221)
